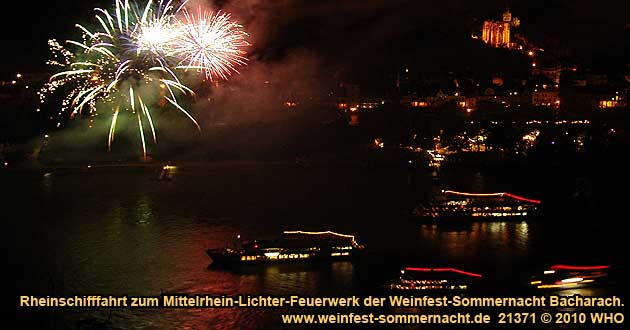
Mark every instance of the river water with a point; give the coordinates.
(115, 230)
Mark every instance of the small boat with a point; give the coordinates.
(434, 279)
(562, 277)
(455, 205)
(292, 246)
(166, 173)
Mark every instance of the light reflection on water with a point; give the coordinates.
(119, 232)
(461, 243)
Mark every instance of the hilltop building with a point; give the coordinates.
(498, 33)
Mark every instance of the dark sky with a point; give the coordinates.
(345, 31)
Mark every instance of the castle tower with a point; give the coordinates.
(507, 15)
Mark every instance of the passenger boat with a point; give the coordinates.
(434, 279)
(562, 277)
(292, 246)
(455, 205)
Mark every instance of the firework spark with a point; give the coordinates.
(135, 54)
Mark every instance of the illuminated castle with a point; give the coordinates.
(497, 33)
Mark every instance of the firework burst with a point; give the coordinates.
(211, 43)
(135, 54)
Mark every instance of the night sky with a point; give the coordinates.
(356, 34)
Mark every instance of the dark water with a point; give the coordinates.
(116, 231)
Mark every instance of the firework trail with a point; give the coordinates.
(135, 53)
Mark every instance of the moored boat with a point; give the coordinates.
(292, 246)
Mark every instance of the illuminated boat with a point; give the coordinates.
(455, 205)
(434, 279)
(292, 246)
(560, 277)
